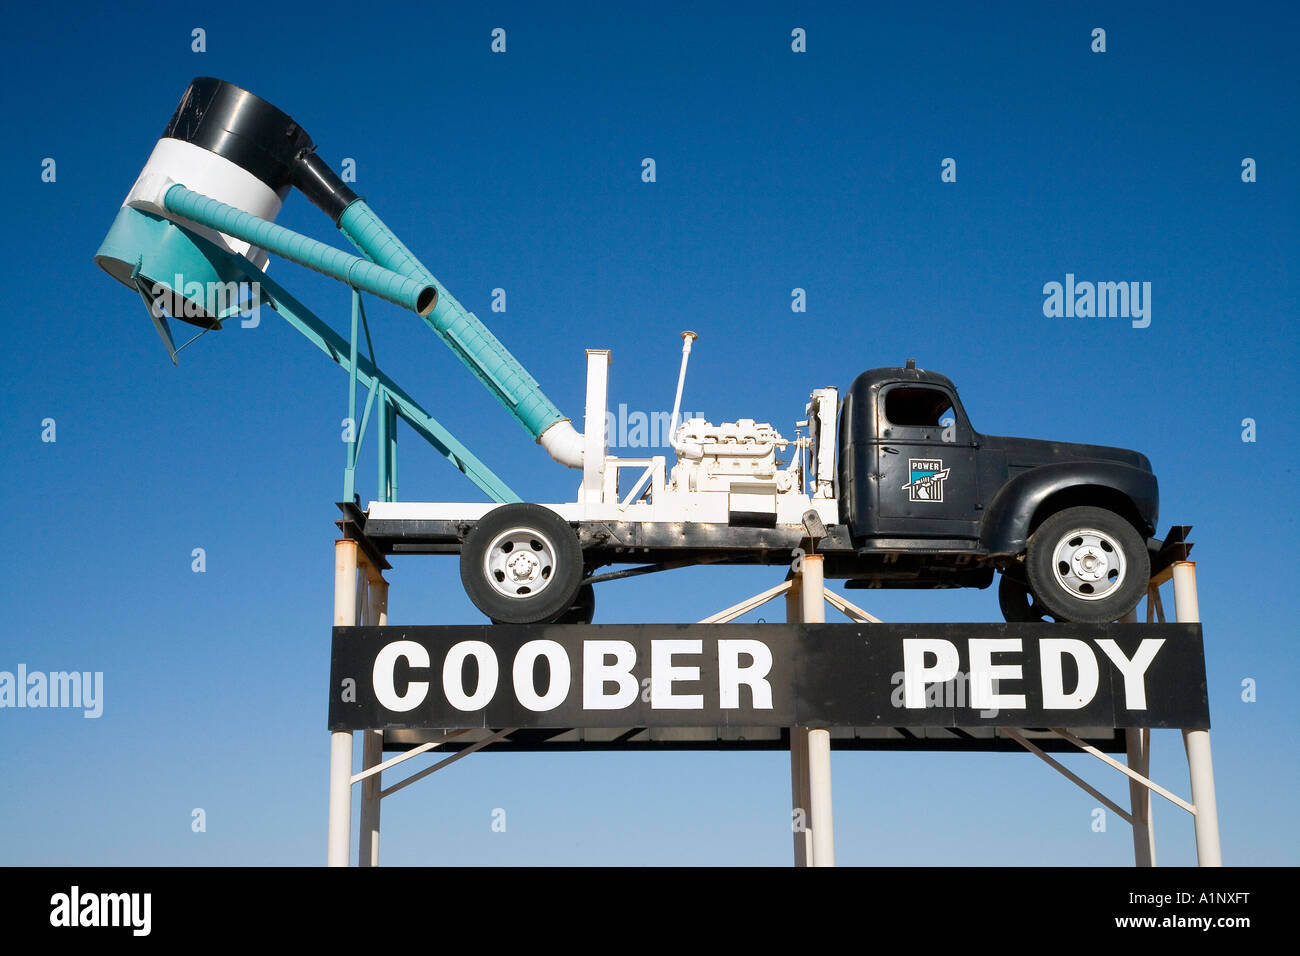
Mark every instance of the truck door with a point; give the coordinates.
(925, 459)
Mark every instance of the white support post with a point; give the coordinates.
(595, 440)
(339, 844)
(1200, 766)
(816, 744)
(801, 812)
(372, 741)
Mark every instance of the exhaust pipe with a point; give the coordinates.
(684, 449)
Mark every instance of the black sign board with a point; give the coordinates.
(769, 675)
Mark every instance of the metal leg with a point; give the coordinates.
(339, 843)
(1138, 742)
(1138, 745)
(1200, 766)
(340, 826)
(801, 814)
(801, 810)
(1201, 769)
(372, 741)
(810, 748)
(819, 793)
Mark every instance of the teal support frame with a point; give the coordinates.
(142, 248)
(357, 432)
(393, 400)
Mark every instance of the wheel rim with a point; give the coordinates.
(520, 563)
(1088, 564)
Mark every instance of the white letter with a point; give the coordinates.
(596, 674)
(983, 673)
(731, 675)
(59, 915)
(1054, 695)
(453, 671)
(523, 675)
(916, 675)
(141, 913)
(663, 673)
(1134, 671)
(386, 662)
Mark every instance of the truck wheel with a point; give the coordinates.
(1087, 565)
(1018, 604)
(522, 564)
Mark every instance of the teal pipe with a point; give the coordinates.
(471, 341)
(418, 295)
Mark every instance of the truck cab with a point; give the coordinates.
(938, 504)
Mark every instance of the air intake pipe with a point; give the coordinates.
(233, 147)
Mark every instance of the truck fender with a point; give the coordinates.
(1008, 519)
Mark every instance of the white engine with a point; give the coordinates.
(716, 457)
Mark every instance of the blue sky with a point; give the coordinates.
(775, 170)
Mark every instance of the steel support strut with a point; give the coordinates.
(340, 804)
(372, 741)
(1200, 766)
(810, 747)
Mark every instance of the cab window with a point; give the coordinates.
(914, 407)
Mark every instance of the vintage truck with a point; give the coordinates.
(891, 485)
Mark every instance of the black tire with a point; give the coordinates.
(583, 609)
(536, 588)
(1018, 604)
(1087, 565)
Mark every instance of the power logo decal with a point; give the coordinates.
(928, 475)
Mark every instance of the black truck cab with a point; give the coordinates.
(940, 504)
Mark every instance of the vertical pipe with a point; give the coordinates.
(383, 442)
(687, 338)
(813, 607)
(339, 843)
(350, 473)
(595, 440)
(372, 741)
(392, 452)
(1137, 741)
(1200, 765)
(800, 812)
(813, 603)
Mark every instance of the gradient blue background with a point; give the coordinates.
(522, 170)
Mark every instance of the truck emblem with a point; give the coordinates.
(928, 475)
